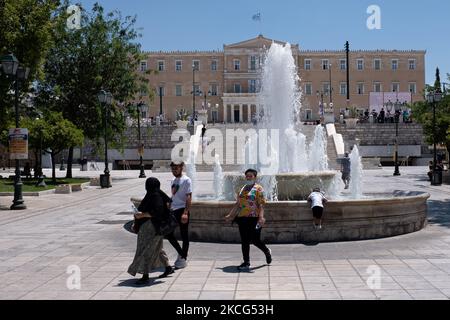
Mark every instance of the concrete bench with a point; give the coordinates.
(77, 187)
(95, 182)
(63, 189)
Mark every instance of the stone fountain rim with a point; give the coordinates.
(415, 195)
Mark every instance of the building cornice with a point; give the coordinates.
(216, 52)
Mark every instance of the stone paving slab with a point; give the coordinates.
(38, 245)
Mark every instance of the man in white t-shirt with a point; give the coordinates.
(181, 190)
(317, 200)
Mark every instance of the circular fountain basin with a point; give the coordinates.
(381, 215)
(290, 186)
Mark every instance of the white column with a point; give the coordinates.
(225, 106)
(249, 113)
(241, 113)
(232, 113)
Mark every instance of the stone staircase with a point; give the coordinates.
(307, 130)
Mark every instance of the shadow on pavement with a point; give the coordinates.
(439, 212)
(132, 283)
(233, 269)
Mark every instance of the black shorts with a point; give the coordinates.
(317, 212)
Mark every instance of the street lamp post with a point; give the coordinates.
(331, 87)
(397, 117)
(10, 66)
(105, 99)
(434, 98)
(41, 181)
(141, 107)
(193, 93)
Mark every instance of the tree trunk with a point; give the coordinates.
(69, 163)
(52, 155)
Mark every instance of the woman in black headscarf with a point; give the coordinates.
(149, 252)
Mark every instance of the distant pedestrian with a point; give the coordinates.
(149, 252)
(317, 200)
(180, 206)
(345, 169)
(249, 214)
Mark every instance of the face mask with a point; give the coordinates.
(249, 182)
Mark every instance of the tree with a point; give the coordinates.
(437, 83)
(423, 113)
(101, 54)
(57, 133)
(25, 30)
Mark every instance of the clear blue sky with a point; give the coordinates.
(326, 24)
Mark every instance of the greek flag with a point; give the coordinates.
(257, 17)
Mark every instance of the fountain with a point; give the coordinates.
(288, 170)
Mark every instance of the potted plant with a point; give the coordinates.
(182, 119)
(352, 120)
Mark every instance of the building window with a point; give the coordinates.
(214, 65)
(197, 89)
(412, 87)
(412, 64)
(343, 64)
(178, 90)
(161, 65)
(343, 89)
(237, 88)
(326, 88)
(196, 65)
(143, 66)
(360, 88)
(308, 89)
(308, 113)
(377, 87)
(395, 87)
(161, 91)
(307, 64)
(377, 64)
(360, 64)
(252, 62)
(237, 64)
(394, 64)
(213, 88)
(325, 64)
(178, 65)
(252, 86)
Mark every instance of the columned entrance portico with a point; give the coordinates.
(237, 107)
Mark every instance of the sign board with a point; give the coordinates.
(18, 144)
(141, 150)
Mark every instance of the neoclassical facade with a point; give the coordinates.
(226, 83)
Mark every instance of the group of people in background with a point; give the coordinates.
(386, 116)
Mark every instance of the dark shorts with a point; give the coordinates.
(345, 175)
(317, 212)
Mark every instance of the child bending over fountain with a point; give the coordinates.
(317, 200)
(250, 218)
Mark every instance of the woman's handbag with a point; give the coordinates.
(168, 225)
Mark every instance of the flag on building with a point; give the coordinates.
(257, 17)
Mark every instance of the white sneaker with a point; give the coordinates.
(180, 263)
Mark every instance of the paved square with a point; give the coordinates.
(39, 247)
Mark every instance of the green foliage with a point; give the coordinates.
(25, 30)
(100, 55)
(423, 113)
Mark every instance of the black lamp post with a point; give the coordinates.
(331, 87)
(140, 108)
(41, 182)
(105, 98)
(193, 93)
(10, 66)
(397, 106)
(433, 98)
